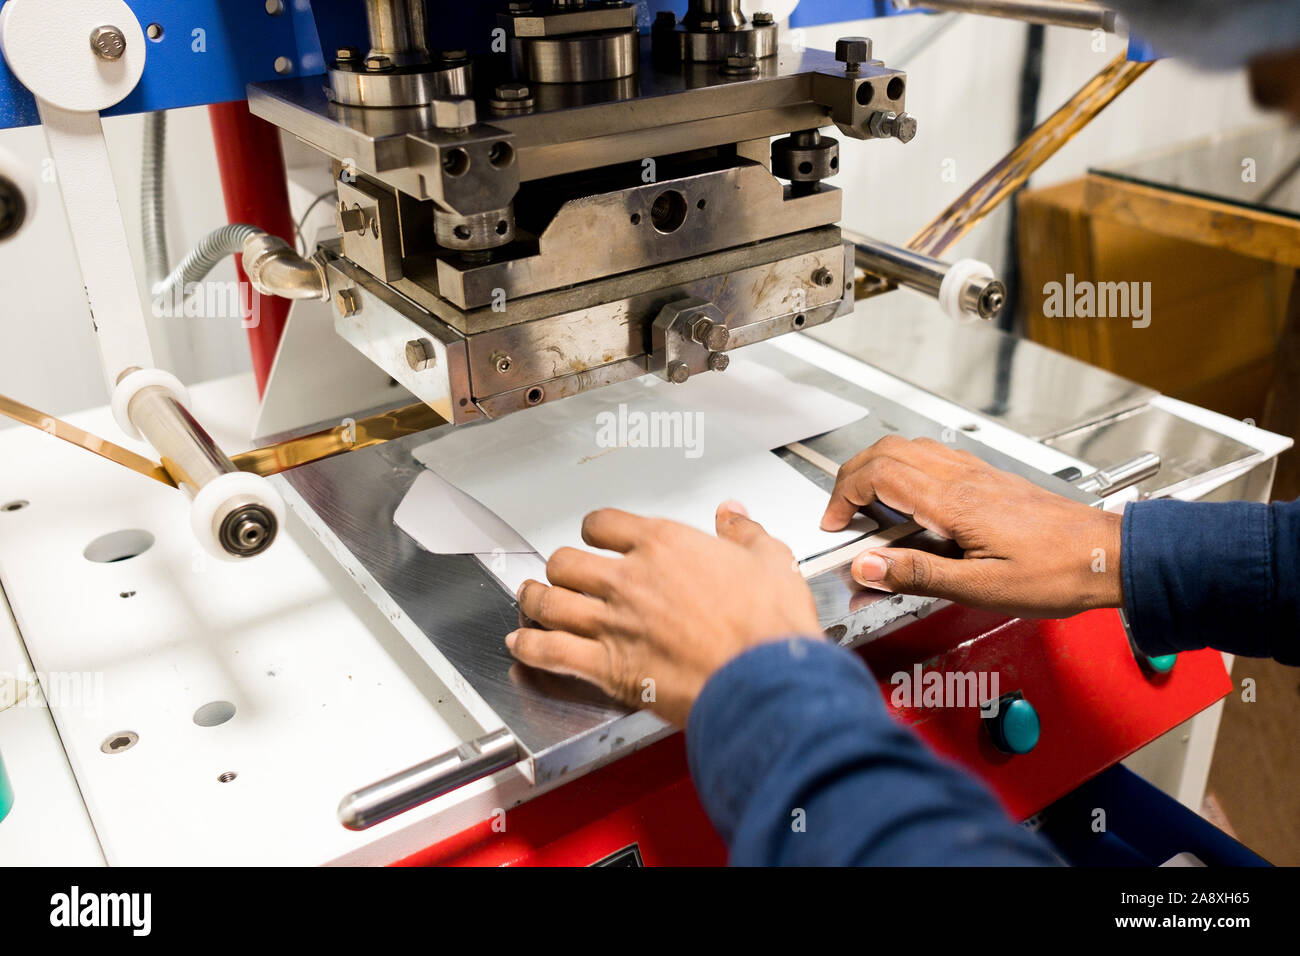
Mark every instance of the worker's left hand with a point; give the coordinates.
(650, 627)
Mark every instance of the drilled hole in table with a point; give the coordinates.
(118, 546)
(214, 713)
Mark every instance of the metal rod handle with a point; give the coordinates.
(406, 790)
(1107, 481)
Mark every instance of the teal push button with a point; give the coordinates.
(6, 792)
(1162, 664)
(1014, 728)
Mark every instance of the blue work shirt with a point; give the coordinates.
(798, 761)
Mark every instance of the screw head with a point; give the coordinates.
(678, 372)
(108, 42)
(379, 63)
(853, 50)
(420, 355)
(905, 127)
(763, 19)
(345, 53)
(346, 302)
(719, 361)
(502, 362)
(711, 335)
(823, 277)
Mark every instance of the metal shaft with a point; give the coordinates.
(420, 784)
(397, 29)
(702, 14)
(193, 460)
(981, 295)
(1056, 13)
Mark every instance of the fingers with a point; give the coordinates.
(891, 482)
(916, 572)
(734, 524)
(615, 530)
(561, 609)
(560, 653)
(925, 455)
(582, 571)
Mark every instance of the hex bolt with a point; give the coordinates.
(513, 91)
(379, 63)
(346, 53)
(740, 64)
(347, 303)
(678, 372)
(108, 42)
(718, 361)
(502, 362)
(712, 335)
(763, 19)
(420, 355)
(853, 52)
(823, 277)
(905, 128)
(885, 123)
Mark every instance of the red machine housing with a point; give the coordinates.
(1096, 705)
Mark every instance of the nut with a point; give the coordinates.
(740, 63)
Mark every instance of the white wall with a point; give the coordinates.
(962, 91)
(49, 358)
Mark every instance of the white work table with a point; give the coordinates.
(328, 697)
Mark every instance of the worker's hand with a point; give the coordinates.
(1028, 552)
(650, 627)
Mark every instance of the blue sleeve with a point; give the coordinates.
(797, 761)
(1202, 574)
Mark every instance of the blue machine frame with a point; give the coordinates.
(210, 50)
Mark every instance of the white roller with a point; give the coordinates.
(126, 390)
(216, 498)
(960, 273)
